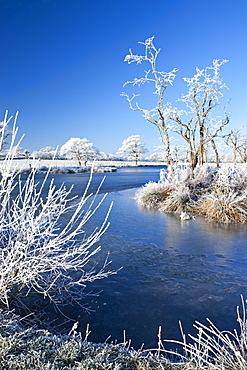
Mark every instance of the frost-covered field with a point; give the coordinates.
(63, 163)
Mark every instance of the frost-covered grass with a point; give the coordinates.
(210, 349)
(41, 350)
(219, 195)
(152, 194)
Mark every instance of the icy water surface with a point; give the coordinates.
(172, 270)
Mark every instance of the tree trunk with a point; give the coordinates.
(216, 153)
(164, 137)
(193, 160)
(201, 145)
(136, 159)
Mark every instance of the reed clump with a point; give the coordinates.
(218, 194)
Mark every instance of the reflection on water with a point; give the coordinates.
(172, 270)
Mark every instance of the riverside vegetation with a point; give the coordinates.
(37, 260)
(218, 194)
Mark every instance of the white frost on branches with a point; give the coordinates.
(40, 254)
(133, 148)
(196, 124)
(160, 80)
(80, 149)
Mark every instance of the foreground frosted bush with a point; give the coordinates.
(40, 255)
(32, 349)
(209, 349)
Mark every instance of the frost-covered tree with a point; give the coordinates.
(160, 80)
(45, 153)
(79, 149)
(133, 148)
(238, 142)
(196, 124)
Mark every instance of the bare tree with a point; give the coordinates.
(196, 124)
(160, 80)
(237, 141)
(242, 151)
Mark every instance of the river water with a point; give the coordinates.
(172, 270)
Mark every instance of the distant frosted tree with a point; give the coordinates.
(79, 149)
(48, 152)
(238, 142)
(18, 151)
(45, 153)
(132, 147)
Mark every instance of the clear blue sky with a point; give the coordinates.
(62, 62)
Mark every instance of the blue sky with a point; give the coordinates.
(62, 62)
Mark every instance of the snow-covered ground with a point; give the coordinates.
(29, 163)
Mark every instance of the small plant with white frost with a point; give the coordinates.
(224, 205)
(152, 194)
(179, 201)
(40, 254)
(213, 349)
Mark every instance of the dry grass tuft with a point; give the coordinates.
(152, 194)
(224, 205)
(178, 201)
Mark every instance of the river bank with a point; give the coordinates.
(61, 163)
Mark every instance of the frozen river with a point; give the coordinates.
(172, 270)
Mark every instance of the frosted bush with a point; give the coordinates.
(179, 201)
(152, 194)
(232, 176)
(224, 205)
(174, 175)
(177, 176)
(40, 255)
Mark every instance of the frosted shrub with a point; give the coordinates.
(226, 198)
(224, 205)
(178, 176)
(40, 256)
(152, 194)
(234, 176)
(175, 175)
(180, 200)
(203, 175)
